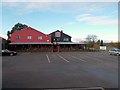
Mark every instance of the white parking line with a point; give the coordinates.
(79, 59)
(48, 58)
(63, 58)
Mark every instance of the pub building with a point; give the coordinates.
(30, 39)
(62, 42)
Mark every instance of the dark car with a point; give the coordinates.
(7, 52)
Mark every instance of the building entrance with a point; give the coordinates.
(55, 47)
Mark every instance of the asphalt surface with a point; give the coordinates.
(60, 70)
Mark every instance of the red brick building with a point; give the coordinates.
(29, 38)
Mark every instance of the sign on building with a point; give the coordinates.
(57, 34)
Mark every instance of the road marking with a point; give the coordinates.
(63, 58)
(48, 58)
(79, 59)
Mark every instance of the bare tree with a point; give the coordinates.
(91, 39)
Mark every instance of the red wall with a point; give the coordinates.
(24, 33)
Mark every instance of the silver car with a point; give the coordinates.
(114, 51)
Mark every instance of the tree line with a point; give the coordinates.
(93, 42)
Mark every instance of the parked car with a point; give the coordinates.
(114, 51)
(7, 52)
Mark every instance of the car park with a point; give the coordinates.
(7, 52)
(59, 70)
(114, 51)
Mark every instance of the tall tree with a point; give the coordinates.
(91, 39)
(98, 42)
(18, 27)
(101, 43)
(8, 34)
(15, 28)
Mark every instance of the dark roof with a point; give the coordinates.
(60, 31)
(67, 35)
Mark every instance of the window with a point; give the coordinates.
(58, 39)
(29, 37)
(47, 40)
(39, 37)
(17, 37)
(66, 39)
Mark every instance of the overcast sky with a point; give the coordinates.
(78, 19)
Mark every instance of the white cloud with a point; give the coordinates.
(40, 6)
(97, 20)
(58, 7)
(29, 7)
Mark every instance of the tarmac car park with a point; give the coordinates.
(60, 70)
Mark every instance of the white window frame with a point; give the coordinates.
(29, 37)
(17, 37)
(40, 37)
(66, 39)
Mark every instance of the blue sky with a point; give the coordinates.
(77, 19)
